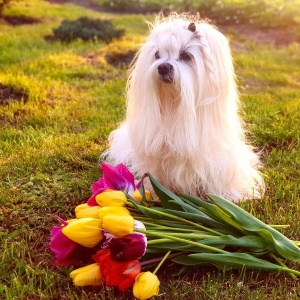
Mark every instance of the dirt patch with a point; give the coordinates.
(288, 144)
(9, 94)
(120, 59)
(20, 20)
(274, 36)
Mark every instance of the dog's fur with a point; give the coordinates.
(182, 122)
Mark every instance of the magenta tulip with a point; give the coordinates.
(66, 250)
(114, 178)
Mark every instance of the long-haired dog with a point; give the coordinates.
(182, 123)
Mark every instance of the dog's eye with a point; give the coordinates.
(185, 56)
(157, 55)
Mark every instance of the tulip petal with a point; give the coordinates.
(110, 210)
(146, 285)
(129, 247)
(97, 188)
(118, 225)
(66, 250)
(88, 275)
(121, 275)
(139, 225)
(111, 198)
(85, 231)
(86, 211)
(118, 178)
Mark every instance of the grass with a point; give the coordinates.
(50, 147)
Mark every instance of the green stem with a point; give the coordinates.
(280, 262)
(290, 271)
(199, 245)
(159, 227)
(162, 261)
(158, 222)
(130, 204)
(157, 259)
(158, 241)
(183, 220)
(185, 235)
(278, 226)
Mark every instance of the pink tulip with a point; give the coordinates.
(117, 178)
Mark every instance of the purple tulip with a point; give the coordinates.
(114, 178)
(129, 247)
(65, 249)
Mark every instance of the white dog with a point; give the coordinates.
(182, 124)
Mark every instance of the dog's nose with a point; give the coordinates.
(164, 69)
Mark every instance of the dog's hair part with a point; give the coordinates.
(182, 123)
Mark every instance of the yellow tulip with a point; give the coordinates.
(138, 197)
(111, 198)
(71, 220)
(118, 225)
(88, 275)
(85, 231)
(86, 211)
(145, 286)
(109, 210)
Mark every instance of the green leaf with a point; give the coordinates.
(187, 207)
(173, 245)
(142, 190)
(181, 247)
(165, 195)
(228, 261)
(214, 212)
(253, 243)
(170, 224)
(195, 217)
(283, 246)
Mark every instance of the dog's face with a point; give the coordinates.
(184, 59)
(173, 49)
(171, 52)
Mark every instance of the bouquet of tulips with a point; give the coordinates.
(128, 231)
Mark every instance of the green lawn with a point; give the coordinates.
(50, 146)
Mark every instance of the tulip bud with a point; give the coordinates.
(85, 231)
(138, 197)
(145, 286)
(118, 225)
(129, 247)
(66, 250)
(111, 198)
(139, 225)
(109, 210)
(118, 274)
(88, 275)
(86, 211)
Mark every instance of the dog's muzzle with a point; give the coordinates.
(166, 72)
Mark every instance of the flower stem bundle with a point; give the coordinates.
(184, 229)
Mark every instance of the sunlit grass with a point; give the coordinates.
(50, 147)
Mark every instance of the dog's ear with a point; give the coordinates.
(192, 27)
